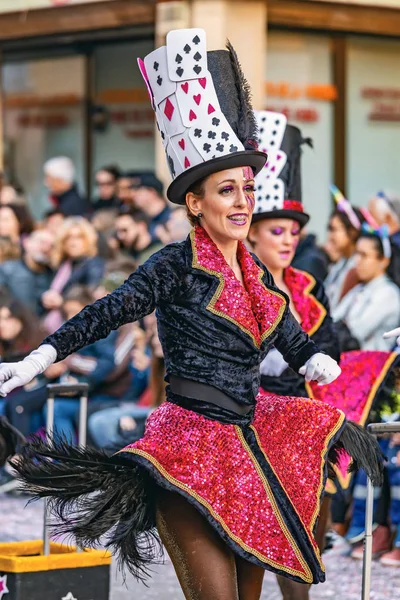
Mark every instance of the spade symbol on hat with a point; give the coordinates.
(197, 56)
(178, 59)
(155, 66)
(179, 71)
(197, 69)
(196, 40)
(171, 166)
(159, 80)
(186, 48)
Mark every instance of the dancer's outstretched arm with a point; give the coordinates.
(158, 281)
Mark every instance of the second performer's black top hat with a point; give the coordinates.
(203, 110)
(278, 185)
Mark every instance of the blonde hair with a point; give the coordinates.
(88, 231)
(9, 250)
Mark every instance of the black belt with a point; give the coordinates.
(206, 393)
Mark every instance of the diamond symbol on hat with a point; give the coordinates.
(169, 109)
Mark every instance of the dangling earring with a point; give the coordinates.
(199, 215)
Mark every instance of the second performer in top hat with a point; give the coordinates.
(228, 478)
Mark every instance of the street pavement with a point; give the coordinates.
(20, 522)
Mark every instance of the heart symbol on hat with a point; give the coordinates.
(203, 82)
(192, 116)
(182, 143)
(211, 109)
(197, 99)
(185, 86)
(187, 162)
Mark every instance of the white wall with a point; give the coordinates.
(302, 59)
(373, 150)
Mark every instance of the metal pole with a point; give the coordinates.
(367, 562)
(49, 434)
(83, 409)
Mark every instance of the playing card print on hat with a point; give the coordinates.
(278, 184)
(195, 131)
(186, 54)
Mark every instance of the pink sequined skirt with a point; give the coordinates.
(258, 485)
(364, 373)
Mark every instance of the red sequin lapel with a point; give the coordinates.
(254, 308)
(311, 312)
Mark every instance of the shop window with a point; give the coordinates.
(299, 83)
(43, 117)
(122, 120)
(373, 118)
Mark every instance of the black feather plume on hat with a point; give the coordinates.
(247, 130)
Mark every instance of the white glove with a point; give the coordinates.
(393, 333)
(273, 364)
(13, 375)
(321, 368)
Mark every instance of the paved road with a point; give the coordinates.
(343, 574)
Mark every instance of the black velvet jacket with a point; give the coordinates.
(312, 305)
(212, 329)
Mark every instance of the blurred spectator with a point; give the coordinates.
(92, 364)
(12, 195)
(176, 229)
(15, 221)
(53, 219)
(149, 198)
(20, 333)
(27, 278)
(340, 247)
(133, 234)
(106, 184)
(124, 188)
(373, 306)
(115, 273)
(310, 257)
(103, 221)
(385, 209)
(9, 250)
(75, 258)
(59, 178)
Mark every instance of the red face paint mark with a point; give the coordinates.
(248, 177)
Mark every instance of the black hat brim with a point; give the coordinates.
(178, 189)
(283, 213)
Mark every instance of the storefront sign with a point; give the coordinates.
(312, 91)
(302, 115)
(26, 5)
(385, 103)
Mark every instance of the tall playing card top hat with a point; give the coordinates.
(278, 185)
(203, 110)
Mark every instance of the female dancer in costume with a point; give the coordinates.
(274, 234)
(228, 478)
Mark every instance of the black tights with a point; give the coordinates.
(292, 590)
(206, 568)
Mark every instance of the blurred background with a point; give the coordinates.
(82, 204)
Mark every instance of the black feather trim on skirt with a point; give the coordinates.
(96, 499)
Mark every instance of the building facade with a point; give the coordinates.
(70, 85)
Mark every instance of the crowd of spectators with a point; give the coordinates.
(53, 267)
(79, 251)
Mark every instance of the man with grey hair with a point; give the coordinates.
(59, 178)
(385, 209)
